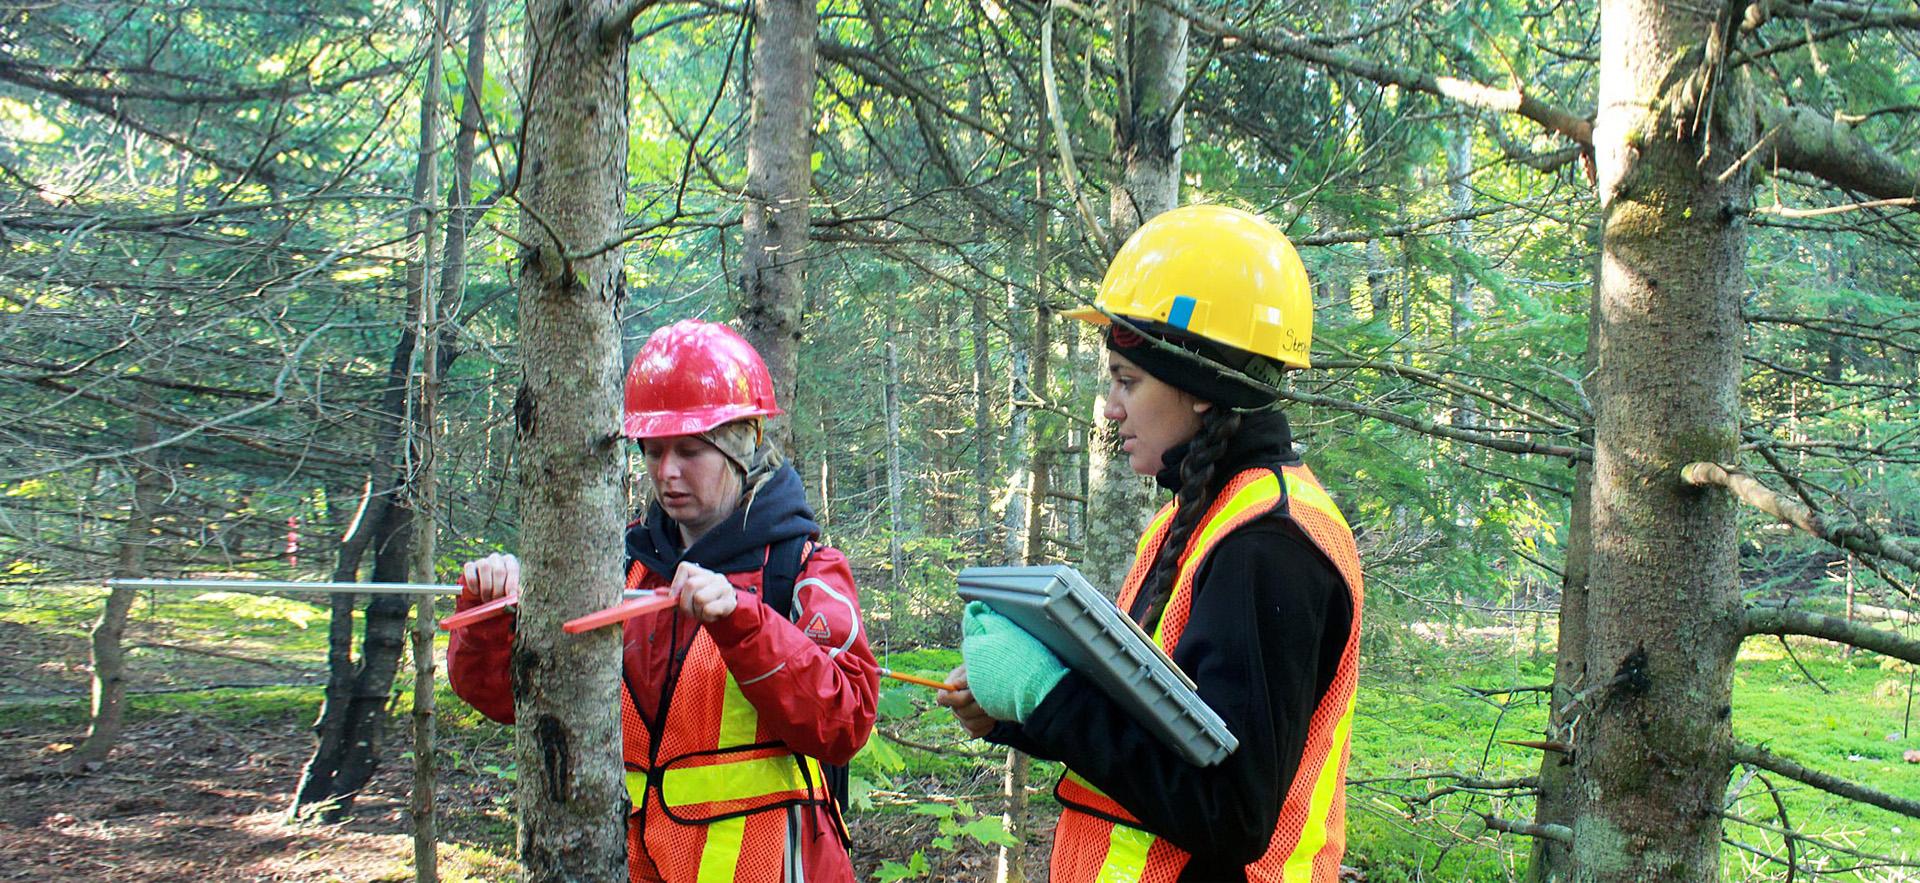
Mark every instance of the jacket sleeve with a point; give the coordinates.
(1256, 645)
(813, 680)
(477, 663)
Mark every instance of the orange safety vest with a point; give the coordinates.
(1099, 840)
(716, 772)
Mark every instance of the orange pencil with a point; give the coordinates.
(915, 679)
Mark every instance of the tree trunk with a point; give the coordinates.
(109, 657)
(571, 799)
(1149, 131)
(1460, 240)
(1652, 754)
(371, 689)
(421, 488)
(773, 229)
(896, 482)
(1013, 860)
(353, 716)
(1552, 860)
(984, 436)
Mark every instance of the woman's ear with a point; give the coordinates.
(1202, 406)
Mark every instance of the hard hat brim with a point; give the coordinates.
(1089, 315)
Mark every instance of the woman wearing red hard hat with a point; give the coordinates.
(741, 704)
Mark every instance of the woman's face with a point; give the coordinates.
(692, 480)
(1152, 416)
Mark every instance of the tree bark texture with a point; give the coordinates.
(896, 485)
(773, 228)
(571, 799)
(1651, 752)
(1153, 44)
(422, 491)
(1552, 858)
(109, 707)
(353, 716)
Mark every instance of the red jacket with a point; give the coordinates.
(814, 684)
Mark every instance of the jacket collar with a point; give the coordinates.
(739, 542)
(1264, 439)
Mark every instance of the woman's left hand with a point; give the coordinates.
(702, 594)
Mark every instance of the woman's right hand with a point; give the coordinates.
(492, 577)
(971, 716)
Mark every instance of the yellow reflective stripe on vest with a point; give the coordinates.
(1311, 494)
(739, 780)
(720, 857)
(1126, 855)
(1313, 835)
(1257, 493)
(1153, 528)
(739, 723)
(731, 780)
(636, 789)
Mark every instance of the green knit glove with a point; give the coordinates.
(1009, 671)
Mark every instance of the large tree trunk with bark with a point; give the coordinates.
(779, 171)
(1664, 611)
(1153, 44)
(109, 655)
(571, 799)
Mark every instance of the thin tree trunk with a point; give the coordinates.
(109, 656)
(1460, 240)
(896, 482)
(433, 363)
(984, 436)
(1652, 750)
(1377, 295)
(571, 799)
(1013, 860)
(352, 720)
(1150, 130)
(1552, 859)
(773, 228)
(421, 488)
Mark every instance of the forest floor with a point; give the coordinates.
(199, 784)
(226, 689)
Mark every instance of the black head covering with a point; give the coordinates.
(1202, 368)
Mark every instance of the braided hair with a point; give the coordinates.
(1197, 479)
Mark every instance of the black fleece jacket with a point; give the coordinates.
(738, 543)
(1268, 623)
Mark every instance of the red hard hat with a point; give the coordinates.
(692, 376)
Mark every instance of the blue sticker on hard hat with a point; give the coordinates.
(1182, 312)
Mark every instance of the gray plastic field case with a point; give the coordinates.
(1091, 636)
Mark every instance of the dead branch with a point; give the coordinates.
(1754, 755)
(1852, 537)
(1751, 492)
(1808, 142)
(1556, 833)
(1768, 620)
(1515, 100)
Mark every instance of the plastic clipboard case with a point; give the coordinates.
(1091, 636)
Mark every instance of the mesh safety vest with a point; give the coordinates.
(712, 769)
(1099, 840)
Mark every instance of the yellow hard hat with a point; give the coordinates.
(1213, 272)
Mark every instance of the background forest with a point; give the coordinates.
(1617, 330)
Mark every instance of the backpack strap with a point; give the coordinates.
(785, 560)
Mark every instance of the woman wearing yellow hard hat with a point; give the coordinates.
(1248, 579)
